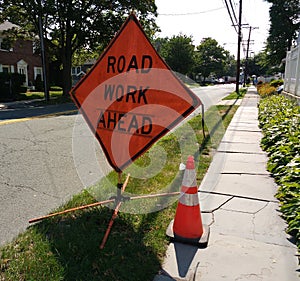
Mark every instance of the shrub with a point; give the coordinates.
(265, 90)
(279, 119)
(38, 83)
(11, 85)
(276, 83)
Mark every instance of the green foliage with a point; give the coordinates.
(11, 85)
(38, 83)
(276, 83)
(229, 65)
(181, 56)
(76, 25)
(284, 18)
(178, 53)
(279, 119)
(210, 58)
(258, 65)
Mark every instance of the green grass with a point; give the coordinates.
(66, 247)
(39, 95)
(235, 95)
(55, 97)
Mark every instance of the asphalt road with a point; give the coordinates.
(17, 110)
(37, 168)
(211, 95)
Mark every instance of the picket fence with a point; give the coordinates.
(292, 72)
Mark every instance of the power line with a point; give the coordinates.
(229, 13)
(233, 11)
(192, 13)
(238, 60)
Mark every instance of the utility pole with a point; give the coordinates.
(43, 51)
(238, 60)
(247, 54)
(246, 62)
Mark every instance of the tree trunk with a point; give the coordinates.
(67, 79)
(67, 65)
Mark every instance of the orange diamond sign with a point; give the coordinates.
(131, 98)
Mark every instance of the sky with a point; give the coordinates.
(209, 18)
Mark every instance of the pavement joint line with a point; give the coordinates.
(241, 152)
(219, 207)
(280, 245)
(12, 121)
(237, 196)
(212, 217)
(247, 212)
(244, 173)
(243, 130)
(265, 206)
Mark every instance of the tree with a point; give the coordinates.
(229, 64)
(259, 65)
(210, 58)
(71, 25)
(285, 21)
(178, 52)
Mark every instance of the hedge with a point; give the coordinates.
(11, 85)
(279, 119)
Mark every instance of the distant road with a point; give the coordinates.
(211, 95)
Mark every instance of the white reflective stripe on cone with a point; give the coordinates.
(189, 178)
(189, 199)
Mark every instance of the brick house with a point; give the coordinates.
(20, 56)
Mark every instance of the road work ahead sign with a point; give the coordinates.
(131, 98)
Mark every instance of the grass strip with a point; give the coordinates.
(56, 97)
(67, 247)
(235, 95)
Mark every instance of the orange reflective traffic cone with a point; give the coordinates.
(187, 226)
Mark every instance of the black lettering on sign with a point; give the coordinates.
(132, 93)
(146, 63)
(111, 119)
(133, 125)
(133, 64)
(101, 120)
(130, 123)
(121, 122)
(146, 125)
(122, 64)
(111, 61)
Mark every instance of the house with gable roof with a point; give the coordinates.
(19, 56)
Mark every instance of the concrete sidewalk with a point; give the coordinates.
(247, 235)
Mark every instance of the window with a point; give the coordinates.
(76, 70)
(38, 71)
(5, 44)
(6, 68)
